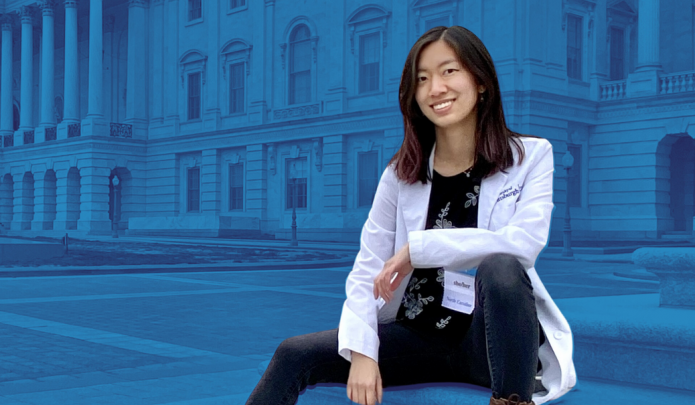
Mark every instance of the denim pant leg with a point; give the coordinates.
(405, 357)
(500, 350)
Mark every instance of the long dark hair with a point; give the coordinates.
(492, 147)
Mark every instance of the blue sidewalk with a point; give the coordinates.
(198, 337)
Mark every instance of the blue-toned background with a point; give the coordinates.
(204, 123)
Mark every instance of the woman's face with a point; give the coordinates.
(446, 91)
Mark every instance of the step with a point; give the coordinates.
(625, 339)
(421, 394)
(629, 338)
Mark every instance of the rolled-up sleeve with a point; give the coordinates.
(358, 330)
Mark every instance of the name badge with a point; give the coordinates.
(459, 292)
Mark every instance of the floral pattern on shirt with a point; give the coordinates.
(440, 276)
(414, 306)
(472, 197)
(442, 222)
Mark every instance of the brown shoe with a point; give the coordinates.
(513, 400)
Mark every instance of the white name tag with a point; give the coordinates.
(459, 292)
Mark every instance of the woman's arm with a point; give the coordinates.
(358, 322)
(524, 236)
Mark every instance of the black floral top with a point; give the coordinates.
(453, 204)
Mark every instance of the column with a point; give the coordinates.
(257, 182)
(157, 74)
(71, 96)
(210, 182)
(94, 199)
(645, 80)
(212, 111)
(94, 123)
(40, 221)
(26, 117)
(335, 172)
(62, 196)
(6, 117)
(47, 111)
(171, 69)
(23, 202)
(137, 73)
(648, 35)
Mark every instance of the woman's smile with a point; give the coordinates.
(443, 108)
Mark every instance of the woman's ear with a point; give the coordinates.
(481, 89)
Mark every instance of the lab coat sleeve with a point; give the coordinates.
(524, 236)
(358, 330)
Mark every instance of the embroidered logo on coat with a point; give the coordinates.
(510, 192)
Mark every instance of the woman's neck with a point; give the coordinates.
(455, 149)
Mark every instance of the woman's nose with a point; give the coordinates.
(438, 86)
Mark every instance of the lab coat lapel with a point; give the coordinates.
(416, 201)
(490, 189)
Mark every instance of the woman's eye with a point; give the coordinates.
(450, 71)
(421, 79)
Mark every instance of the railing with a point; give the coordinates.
(28, 137)
(121, 130)
(51, 133)
(74, 130)
(677, 83)
(8, 140)
(614, 90)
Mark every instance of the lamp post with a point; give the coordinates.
(293, 175)
(567, 162)
(114, 219)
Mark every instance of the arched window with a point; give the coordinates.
(300, 60)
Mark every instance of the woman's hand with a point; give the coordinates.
(398, 265)
(364, 382)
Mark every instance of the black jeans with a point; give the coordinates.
(499, 350)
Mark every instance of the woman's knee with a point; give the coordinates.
(502, 272)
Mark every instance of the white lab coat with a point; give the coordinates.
(513, 217)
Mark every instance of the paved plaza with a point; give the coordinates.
(196, 335)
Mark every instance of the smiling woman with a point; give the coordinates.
(444, 287)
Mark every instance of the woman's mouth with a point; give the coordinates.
(444, 107)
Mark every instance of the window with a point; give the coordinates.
(574, 47)
(194, 189)
(296, 182)
(237, 76)
(236, 186)
(194, 96)
(237, 3)
(617, 54)
(368, 178)
(369, 62)
(436, 22)
(194, 10)
(300, 65)
(574, 181)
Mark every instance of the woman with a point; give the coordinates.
(445, 291)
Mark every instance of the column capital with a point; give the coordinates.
(71, 3)
(47, 8)
(6, 22)
(26, 14)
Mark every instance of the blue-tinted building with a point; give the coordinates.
(201, 117)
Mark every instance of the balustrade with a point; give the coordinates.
(677, 83)
(121, 130)
(28, 137)
(51, 133)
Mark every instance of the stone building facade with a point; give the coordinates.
(216, 118)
